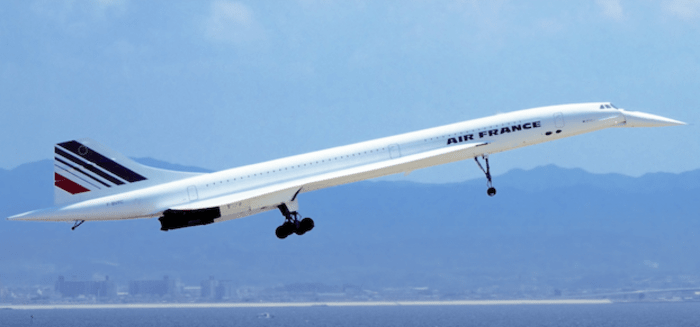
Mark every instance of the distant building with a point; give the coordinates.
(103, 289)
(153, 287)
(213, 289)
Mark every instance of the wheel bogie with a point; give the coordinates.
(294, 226)
(306, 224)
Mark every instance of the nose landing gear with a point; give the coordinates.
(491, 191)
(292, 224)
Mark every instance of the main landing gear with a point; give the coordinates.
(292, 224)
(491, 190)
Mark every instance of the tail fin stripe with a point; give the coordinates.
(102, 161)
(88, 167)
(78, 177)
(80, 171)
(68, 185)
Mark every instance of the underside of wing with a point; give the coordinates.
(245, 203)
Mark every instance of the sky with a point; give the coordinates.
(220, 84)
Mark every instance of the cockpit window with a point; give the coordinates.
(602, 106)
(612, 105)
(607, 106)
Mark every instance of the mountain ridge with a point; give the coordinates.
(549, 222)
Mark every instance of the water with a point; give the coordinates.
(637, 314)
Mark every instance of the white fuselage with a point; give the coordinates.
(496, 133)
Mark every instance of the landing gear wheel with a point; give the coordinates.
(281, 232)
(306, 224)
(285, 230)
(491, 191)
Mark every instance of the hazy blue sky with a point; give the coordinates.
(218, 84)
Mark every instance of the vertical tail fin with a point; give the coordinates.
(86, 169)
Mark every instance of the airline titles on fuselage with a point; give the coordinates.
(494, 132)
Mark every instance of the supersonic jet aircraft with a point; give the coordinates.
(93, 182)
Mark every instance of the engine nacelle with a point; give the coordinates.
(174, 219)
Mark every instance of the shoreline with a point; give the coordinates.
(294, 304)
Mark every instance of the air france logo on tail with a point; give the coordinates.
(80, 169)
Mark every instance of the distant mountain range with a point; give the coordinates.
(547, 227)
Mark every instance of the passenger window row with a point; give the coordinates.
(298, 166)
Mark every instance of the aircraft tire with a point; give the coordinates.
(491, 191)
(281, 232)
(306, 224)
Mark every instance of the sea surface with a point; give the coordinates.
(617, 314)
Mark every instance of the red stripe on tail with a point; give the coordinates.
(68, 185)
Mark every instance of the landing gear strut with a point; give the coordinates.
(292, 224)
(76, 224)
(491, 191)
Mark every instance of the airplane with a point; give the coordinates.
(93, 182)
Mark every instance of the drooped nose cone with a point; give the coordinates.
(642, 119)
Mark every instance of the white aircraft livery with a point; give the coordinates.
(93, 182)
